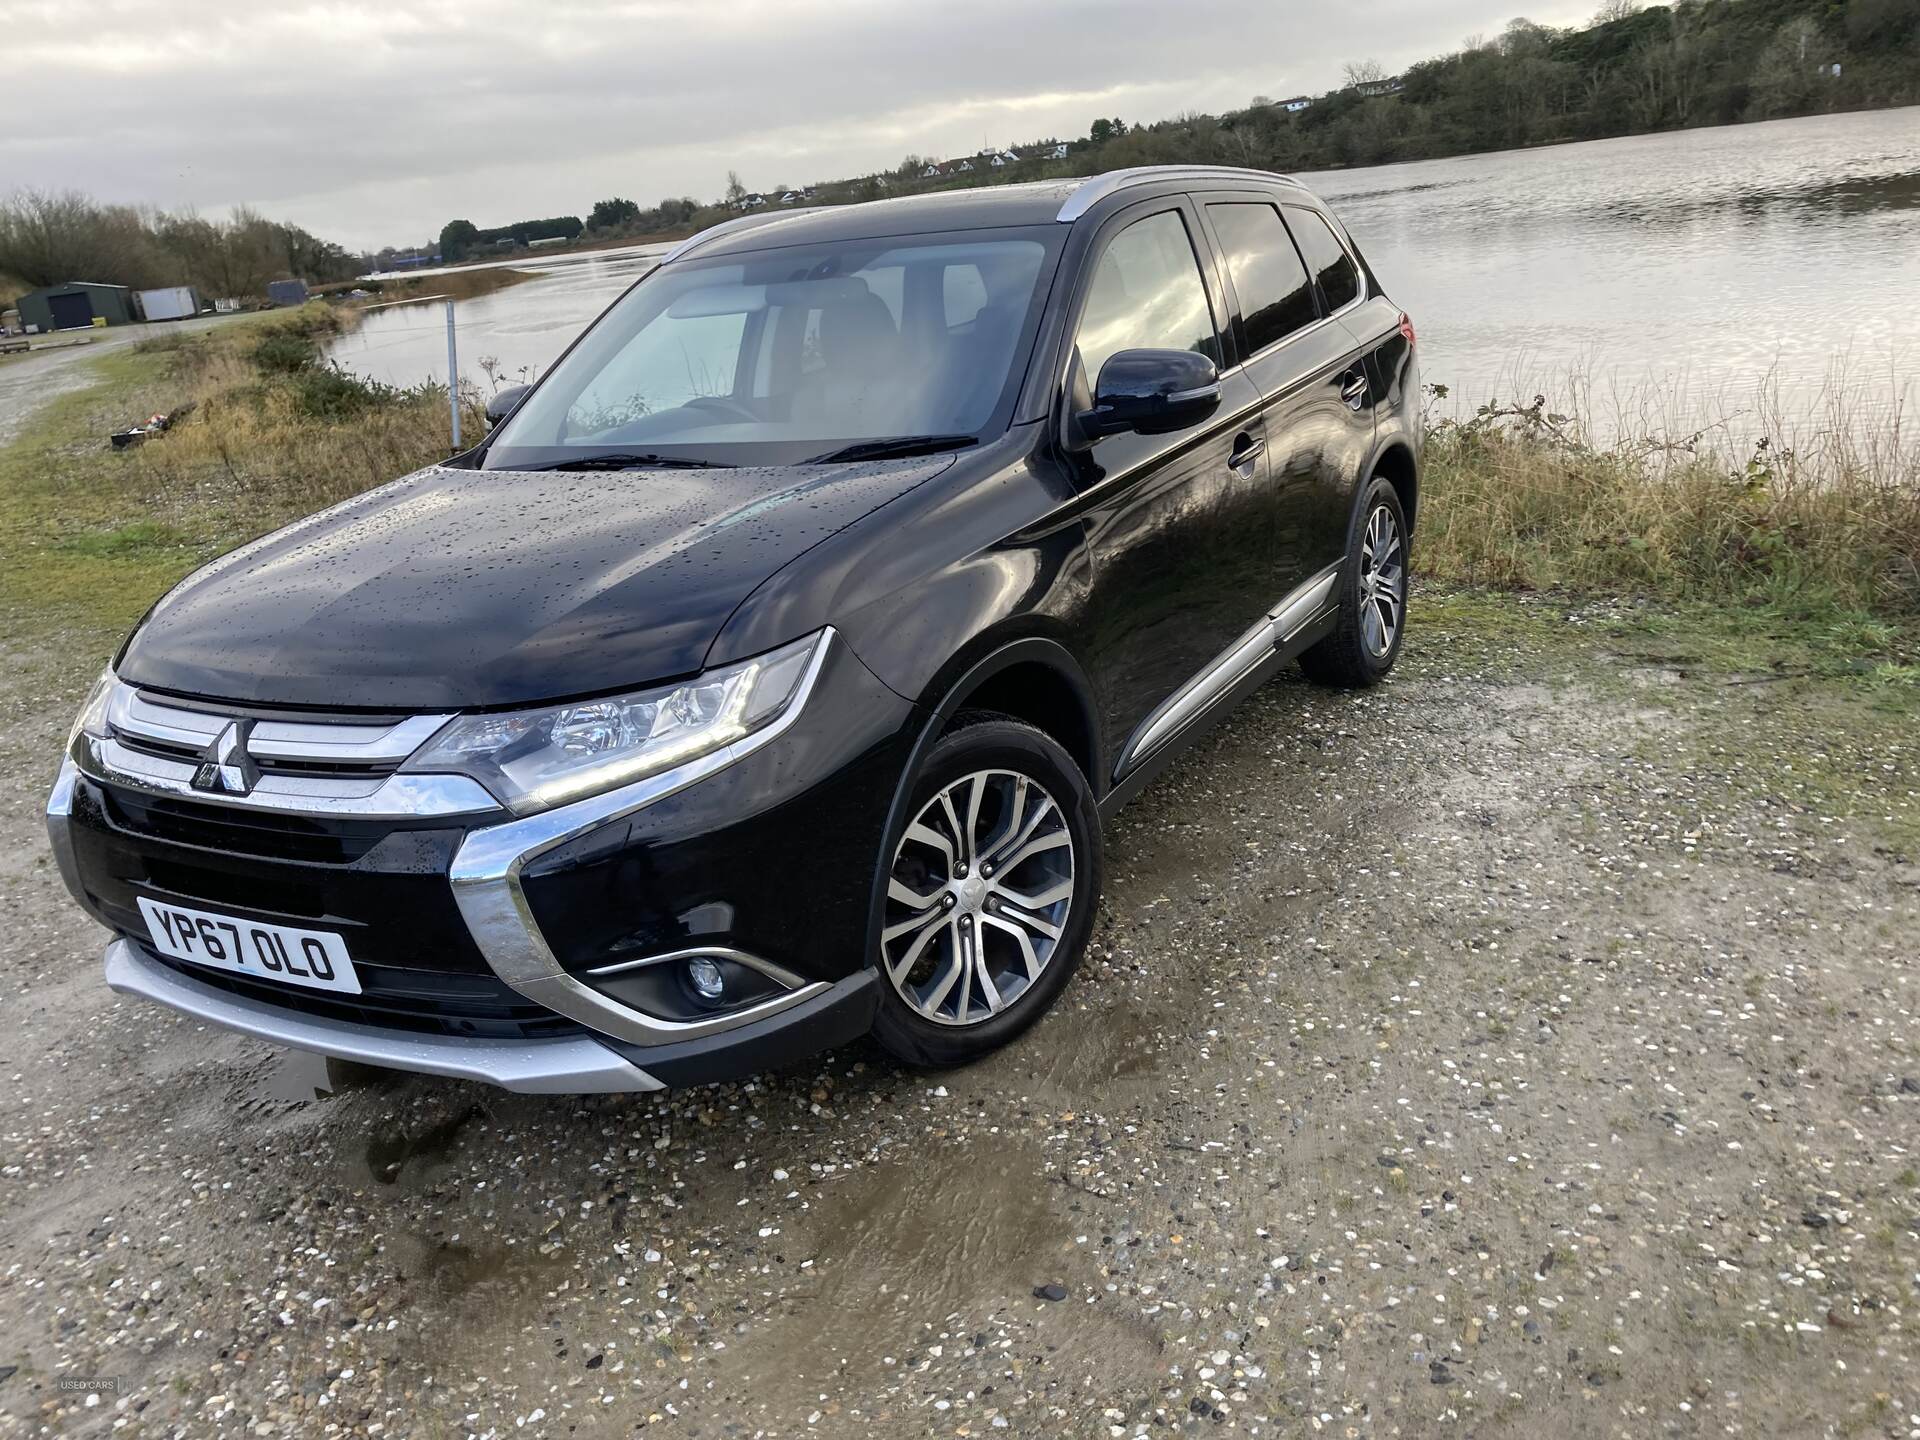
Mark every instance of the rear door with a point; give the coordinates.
(1309, 370)
(1338, 424)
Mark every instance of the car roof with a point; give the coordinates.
(976, 208)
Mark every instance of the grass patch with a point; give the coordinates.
(137, 538)
(90, 536)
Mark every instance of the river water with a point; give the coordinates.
(1660, 283)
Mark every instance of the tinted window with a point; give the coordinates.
(1326, 257)
(1276, 298)
(1146, 295)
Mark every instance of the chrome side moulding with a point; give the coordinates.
(486, 885)
(1301, 606)
(574, 1065)
(1291, 615)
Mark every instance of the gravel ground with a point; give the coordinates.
(30, 380)
(1527, 1047)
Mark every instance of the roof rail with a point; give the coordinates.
(728, 227)
(1091, 192)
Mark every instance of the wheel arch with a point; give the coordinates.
(1394, 462)
(1019, 677)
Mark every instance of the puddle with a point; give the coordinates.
(958, 1227)
(389, 1155)
(1083, 1052)
(299, 1077)
(942, 1250)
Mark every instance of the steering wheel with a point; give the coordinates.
(722, 403)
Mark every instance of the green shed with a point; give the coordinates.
(74, 305)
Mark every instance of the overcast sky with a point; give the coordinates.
(376, 124)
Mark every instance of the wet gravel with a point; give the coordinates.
(1527, 1047)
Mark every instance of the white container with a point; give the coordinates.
(176, 302)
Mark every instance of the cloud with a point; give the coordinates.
(374, 124)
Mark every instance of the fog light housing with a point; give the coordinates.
(705, 978)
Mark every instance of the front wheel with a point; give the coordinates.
(1372, 590)
(990, 892)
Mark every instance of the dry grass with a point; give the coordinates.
(1804, 515)
(274, 433)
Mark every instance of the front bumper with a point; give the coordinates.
(504, 950)
(566, 1065)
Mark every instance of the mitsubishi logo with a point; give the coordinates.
(225, 765)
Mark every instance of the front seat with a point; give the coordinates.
(858, 391)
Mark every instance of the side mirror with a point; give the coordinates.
(501, 405)
(1152, 392)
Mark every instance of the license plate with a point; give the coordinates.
(314, 958)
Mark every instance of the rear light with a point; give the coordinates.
(1406, 327)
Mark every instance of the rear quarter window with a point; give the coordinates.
(1326, 257)
(1276, 295)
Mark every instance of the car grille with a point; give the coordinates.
(230, 829)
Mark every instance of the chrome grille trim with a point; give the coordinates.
(363, 797)
(135, 717)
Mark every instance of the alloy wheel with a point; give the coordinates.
(977, 897)
(1383, 581)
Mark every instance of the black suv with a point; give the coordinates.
(763, 678)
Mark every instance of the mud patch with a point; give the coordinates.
(390, 1156)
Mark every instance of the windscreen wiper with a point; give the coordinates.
(620, 460)
(894, 447)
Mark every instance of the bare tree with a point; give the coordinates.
(1364, 72)
(735, 190)
(1614, 10)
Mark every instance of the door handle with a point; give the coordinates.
(1246, 450)
(1354, 392)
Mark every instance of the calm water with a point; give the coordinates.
(1679, 274)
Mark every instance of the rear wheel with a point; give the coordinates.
(1372, 590)
(990, 892)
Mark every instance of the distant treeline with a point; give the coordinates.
(1633, 69)
(52, 237)
(462, 239)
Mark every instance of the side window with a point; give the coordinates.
(1147, 295)
(1327, 258)
(1275, 294)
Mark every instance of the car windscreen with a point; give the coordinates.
(789, 354)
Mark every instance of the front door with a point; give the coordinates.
(1177, 525)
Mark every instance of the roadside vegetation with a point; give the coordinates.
(1809, 522)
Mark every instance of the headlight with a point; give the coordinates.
(92, 719)
(533, 759)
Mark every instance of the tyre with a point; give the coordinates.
(990, 892)
(1372, 589)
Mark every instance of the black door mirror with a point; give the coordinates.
(501, 405)
(1152, 392)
